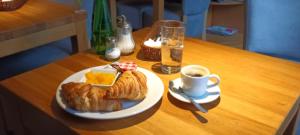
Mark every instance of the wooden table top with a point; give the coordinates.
(258, 94)
(34, 16)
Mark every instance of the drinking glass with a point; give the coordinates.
(172, 36)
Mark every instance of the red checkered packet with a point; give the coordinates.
(126, 66)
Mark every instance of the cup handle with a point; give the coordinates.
(216, 83)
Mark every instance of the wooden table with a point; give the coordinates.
(158, 10)
(39, 22)
(259, 94)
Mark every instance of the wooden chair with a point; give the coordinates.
(31, 50)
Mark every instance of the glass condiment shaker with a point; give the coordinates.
(112, 52)
(125, 41)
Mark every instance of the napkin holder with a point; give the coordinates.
(152, 53)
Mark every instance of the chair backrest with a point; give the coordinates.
(192, 7)
(273, 28)
(87, 5)
(139, 13)
(194, 12)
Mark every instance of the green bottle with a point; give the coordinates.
(102, 27)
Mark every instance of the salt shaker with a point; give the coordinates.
(112, 52)
(125, 41)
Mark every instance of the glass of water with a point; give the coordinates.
(172, 36)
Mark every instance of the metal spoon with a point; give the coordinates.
(179, 91)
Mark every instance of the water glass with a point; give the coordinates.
(172, 36)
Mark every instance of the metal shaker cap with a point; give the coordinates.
(122, 22)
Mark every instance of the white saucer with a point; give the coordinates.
(213, 93)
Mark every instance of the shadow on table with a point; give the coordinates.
(192, 108)
(189, 106)
(18, 116)
(101, 125)
(157, 68)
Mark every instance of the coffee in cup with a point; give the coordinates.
(194, 80)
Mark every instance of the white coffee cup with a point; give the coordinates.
(195, 78)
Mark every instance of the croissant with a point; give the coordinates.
(85, 97)
(131, 85)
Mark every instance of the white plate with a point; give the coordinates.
(213, 93)
(154, 94)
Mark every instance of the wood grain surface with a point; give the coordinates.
(34, 16)
(39, 22)
(259, 94)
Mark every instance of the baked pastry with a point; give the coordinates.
(132, 85)
(85, 97)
